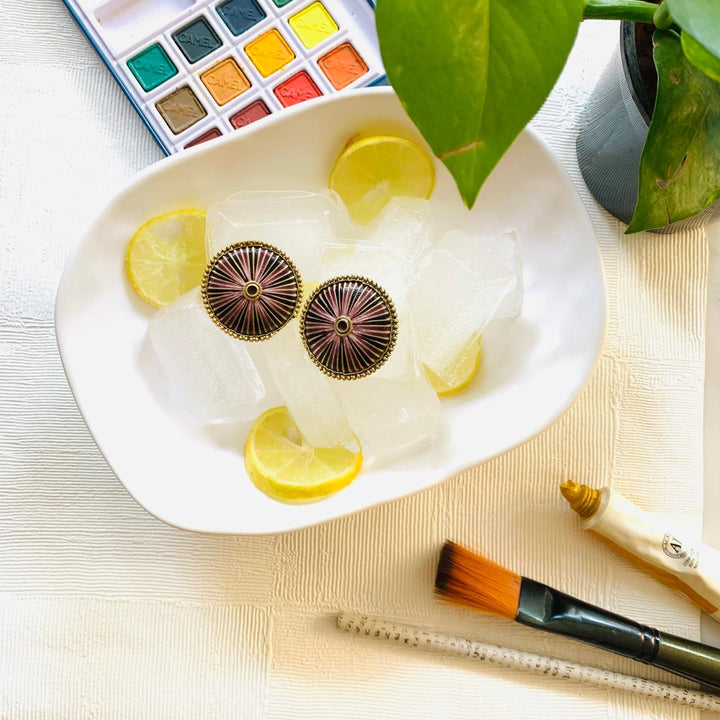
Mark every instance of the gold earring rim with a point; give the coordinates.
(392, 310)
(244, 244)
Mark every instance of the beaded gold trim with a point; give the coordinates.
(278, 302)
(372, 336)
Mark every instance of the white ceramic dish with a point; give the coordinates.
(192, 479)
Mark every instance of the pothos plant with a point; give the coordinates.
(493, 63)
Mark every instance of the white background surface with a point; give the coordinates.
(107, 613)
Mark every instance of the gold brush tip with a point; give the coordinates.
(582, 499)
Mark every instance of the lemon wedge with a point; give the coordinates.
(166, 256)
(371, 171)
(286, 468)
(460, 372)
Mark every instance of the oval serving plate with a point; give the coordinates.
(195, 479)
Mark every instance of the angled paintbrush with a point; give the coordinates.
(468, 579)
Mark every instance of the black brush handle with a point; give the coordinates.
(547, 609)
(692, 660)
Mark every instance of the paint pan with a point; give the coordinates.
(198, 69)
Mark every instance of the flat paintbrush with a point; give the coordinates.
(467, 579)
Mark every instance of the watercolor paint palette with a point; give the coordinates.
(198, 69)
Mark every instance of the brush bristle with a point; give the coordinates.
(467, 579)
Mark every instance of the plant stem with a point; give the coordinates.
(662, 17)
(631, 10)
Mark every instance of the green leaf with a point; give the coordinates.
(701, 20)
(680, 165)
(471, 75)
(700, 57)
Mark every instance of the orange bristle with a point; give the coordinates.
(467, 579)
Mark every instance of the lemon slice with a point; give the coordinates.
(166, 256)
(286, 468)
(372, 170)
(460, 371)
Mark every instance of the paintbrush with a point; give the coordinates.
(422, 639)
(467, 579)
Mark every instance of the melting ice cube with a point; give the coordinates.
(378, 264)
(389, 252)
(457, 293)
(298, 223)
(305, 391)
(394, 412)
(211, 373)
(405, 228)
(506, 249)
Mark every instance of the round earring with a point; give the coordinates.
(349, 327)
(251, 290)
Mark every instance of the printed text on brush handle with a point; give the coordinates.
(439, 642)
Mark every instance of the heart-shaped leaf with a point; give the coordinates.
(700, 57)
(700, 19)
(471, 75)
(680, 165)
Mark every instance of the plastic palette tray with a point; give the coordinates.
(198, 69)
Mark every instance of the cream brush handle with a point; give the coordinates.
(415, 637)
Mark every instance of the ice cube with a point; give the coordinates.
(506, 249)
(298, 223)
(395, 413)
(258, 354)
(305, 391)
(379, 264)
(405, 227)
(211, 373)
(390, 252)
(457, 293)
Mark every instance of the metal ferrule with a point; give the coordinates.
(548, 609)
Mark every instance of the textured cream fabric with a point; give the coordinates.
(106, 612)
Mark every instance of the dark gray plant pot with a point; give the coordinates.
(613, 128)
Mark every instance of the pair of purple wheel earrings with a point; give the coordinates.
(348, 325)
